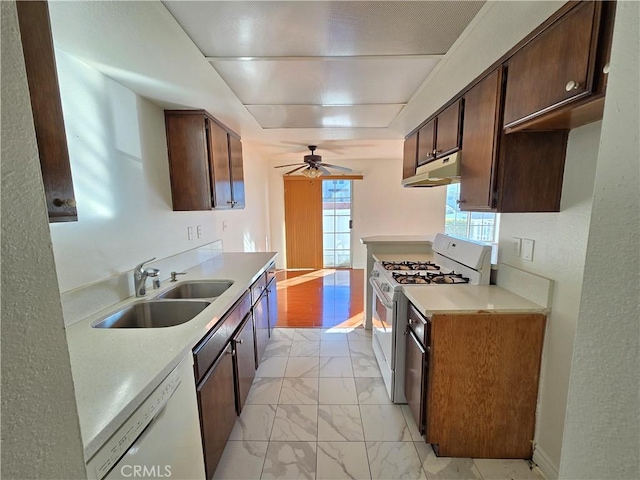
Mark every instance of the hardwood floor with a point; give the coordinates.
(320, 298)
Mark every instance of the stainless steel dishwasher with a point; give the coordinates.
(161, 439)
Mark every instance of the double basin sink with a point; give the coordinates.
(175, 306)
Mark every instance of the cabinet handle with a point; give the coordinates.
(67, 202)
(230, 202)
(460, 201)
(605, 69)
(571, 85)
(240, 342)
(411, 321)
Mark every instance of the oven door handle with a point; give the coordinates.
(379, 294)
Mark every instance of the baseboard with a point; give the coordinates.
(545, 465)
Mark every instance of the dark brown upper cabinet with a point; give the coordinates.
(555, 78)
(480, 145)
(441, 136)
(205, 162)
(409, 156)
(519, 172)
(46, 107)
(427, 142)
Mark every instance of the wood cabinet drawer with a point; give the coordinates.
(209, 349)
(258, 287)
(419, 325)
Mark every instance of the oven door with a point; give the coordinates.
(383, 311)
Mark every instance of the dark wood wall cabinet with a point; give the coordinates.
(225, 363)
(516, 115)
(471, 382)
(46, 107)
(205, 162)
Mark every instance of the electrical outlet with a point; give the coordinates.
(199, 231)
(190, 233)
(516, 245)
(527, 249)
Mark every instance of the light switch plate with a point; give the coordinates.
(199, 231)
(516, 245)
(190, 233)
(527, 249)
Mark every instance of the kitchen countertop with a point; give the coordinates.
(408, 239)
(448, 299)
(402, 257)
(114, 370)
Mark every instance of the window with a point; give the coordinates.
(336, 223)
(480, 226)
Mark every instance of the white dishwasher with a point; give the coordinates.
(161, 439)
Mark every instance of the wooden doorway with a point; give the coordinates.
(303, 221)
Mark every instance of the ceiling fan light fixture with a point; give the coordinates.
(312, 172)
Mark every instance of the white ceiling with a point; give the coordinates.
(288, 61)
(278, 73)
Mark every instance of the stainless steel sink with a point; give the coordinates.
(203, 289)
(153, 315)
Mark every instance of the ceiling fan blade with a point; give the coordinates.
(290, 165)
(295, 169)
(323, 170)
(337, 167)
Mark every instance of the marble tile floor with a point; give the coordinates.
(318, 410)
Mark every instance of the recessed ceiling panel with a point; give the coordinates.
(314, 116)
(275, 28)
(325, 82)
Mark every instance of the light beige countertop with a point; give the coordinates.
(447, 299)
(114, 370)
(402, 257)
(408, 239)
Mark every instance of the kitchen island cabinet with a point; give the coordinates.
(471, 380)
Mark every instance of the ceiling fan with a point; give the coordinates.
(313, 165)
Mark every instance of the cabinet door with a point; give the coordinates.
(480, 152)
(220, 171)
(427, 142)
(272, 297)
(415, 379)
(188, 167)
(555, 68)
(261, 317)
(409, 157)
(244, 361)
(46, 108)
(237, 172)
(448, 135)
(217, 405)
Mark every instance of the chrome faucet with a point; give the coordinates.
(140, 277)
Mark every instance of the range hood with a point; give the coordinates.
(443, 171)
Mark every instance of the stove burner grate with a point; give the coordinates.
(410, 266)
(429, 278)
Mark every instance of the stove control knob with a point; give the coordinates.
(375, 273)
(386, 288)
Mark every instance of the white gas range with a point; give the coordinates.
(455, 261)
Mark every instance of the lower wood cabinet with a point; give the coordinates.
(415, 379)
(473, 386)
(272, 297)
(261, 317)
(244, 361)
(217, 407)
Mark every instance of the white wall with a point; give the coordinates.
(120, 169)
(381, 206)
(602, 429)
(40, 427)
(559, 254)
